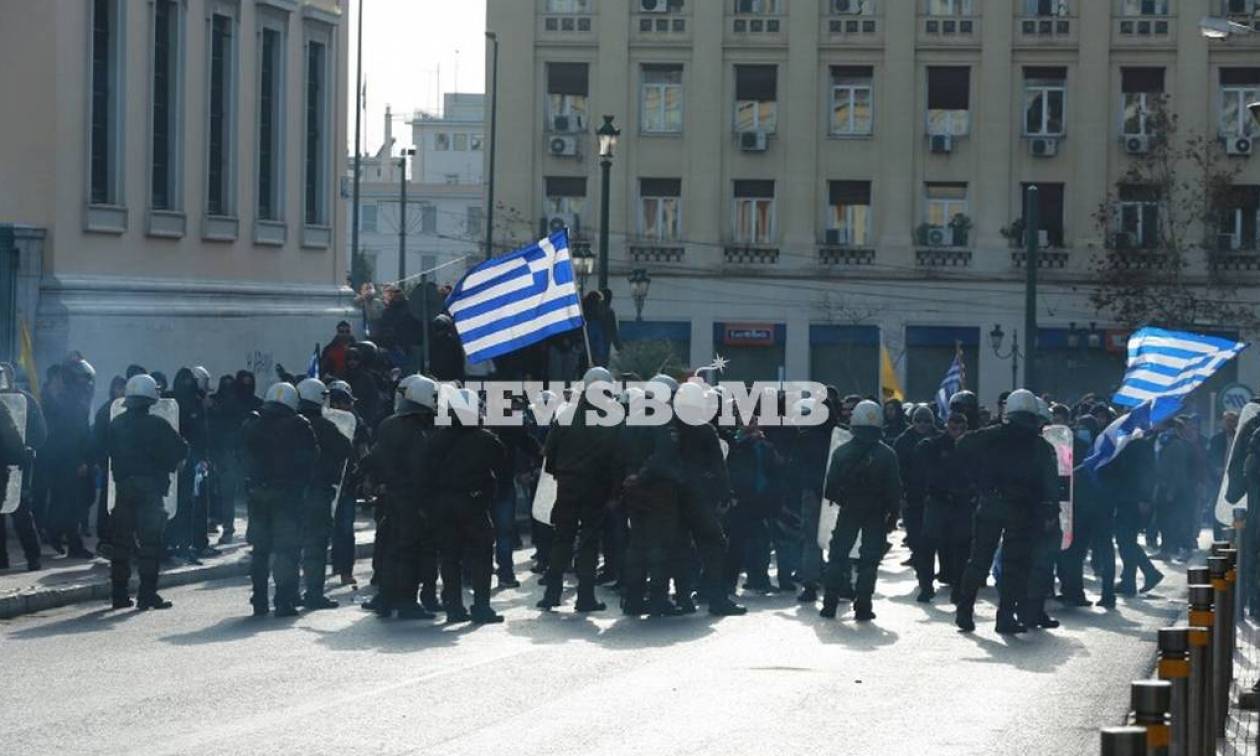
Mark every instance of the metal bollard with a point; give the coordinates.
(1231, 584)
(1201, 622)
(1242, 564)
(1218, 566)
(1123, 741)
(1174, 666)
(1150, 700)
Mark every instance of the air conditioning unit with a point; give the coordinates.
(846, 7)
(1238, 146)
(834, 237)
(1137, 144)
(752, 141)
(561, 221)
(938, 236)
(1045, 147)
(942, 144)
(654, 6)
(563, 146)
(561, 123)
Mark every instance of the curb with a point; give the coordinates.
(40, 599)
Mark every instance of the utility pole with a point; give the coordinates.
(1032, 228)
(402, 213)
(358, 118)
(494, 122)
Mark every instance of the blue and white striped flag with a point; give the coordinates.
(521, 298)
(1129, 427)
(1171, 363)
(951, 384)
(312, 367)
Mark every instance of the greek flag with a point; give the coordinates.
(1127, 428)
(1171, 363)
(521, 298)
(951, 384)
(312, 367)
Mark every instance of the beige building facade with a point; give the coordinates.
(789, 171)
(171, 173)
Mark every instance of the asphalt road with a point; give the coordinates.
(205, 678)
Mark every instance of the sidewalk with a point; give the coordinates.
(64, 581)
(1241, 727)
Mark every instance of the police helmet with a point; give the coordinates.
(422, 391)
(142, 387)
(964, 401)
(81, 368)
(312, 390)
(597, 375)
(342, 388)
(282, 393)
(668, 381)
(867, 414)
(203, 377)
(1023, 400)
(922, 413)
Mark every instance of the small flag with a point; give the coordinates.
(26, 358)
(888, 383)
(1171, 363)
(312, 368)
(1128, 428)
(509, 302)
(953, 382)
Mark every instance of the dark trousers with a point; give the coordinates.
(24, 524)
(869, 523)
(1044, 555)
(406, 550)
(504, 528)
(698, 523)
(316, 529)
(68, 498)
(578, 517)
(745, 528)
(922, 545)
(947, 529)
(1129, 522)
(343, 535)
(613, 544)
(466, 532)
(993, 525)
(136, 527)
(1093, 526)
(231, 488)
(274, 533)
(188, 528)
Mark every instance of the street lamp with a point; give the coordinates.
(607, 147)
(996, 337)
(402, 212)
(640, 281)
(494, 132)
(583, 264)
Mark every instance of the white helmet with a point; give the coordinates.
(203, 377)
(1022, 400)
(342, 387)
(867, 414)
(668, 381)
(597, 375)
(400, 393)
(282, 393)
(142, 387)
(312, 390)
(423, 391)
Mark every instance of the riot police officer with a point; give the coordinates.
(329, 472)
(143, 452)
(949, 503)
(914, 475)
(1016, 479)
(280, 452)
(863, 479)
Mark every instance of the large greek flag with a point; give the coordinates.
(521, 298)
(1129, 427)
(1171, 363)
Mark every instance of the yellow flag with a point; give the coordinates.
(888, 377)
(26, 358)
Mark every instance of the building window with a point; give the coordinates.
(757, 7)
(220, 173)
(452, 178)
(849, 213)
(270, 123)
(949, 100)
(441, 141)
(756, 95)
(1049, 212)
(1047, 8)
(754, 212)
(315, 145)
(948, 7)
(569, 7)
(854, 7)
(945, 202)
(428, 219)
(568, 85)
(475, 142)
(852, 97)
(1242, 7)
(1239, 88)
(1045, 98)
(564, 203)
(106, 116)
(368, 219)
(1141, 90)
(460, 142)
(472, 224)
(660, 209)
(1144, 8)
(164, 138)
(1137, 217)
(1240, 221)
(661, 99)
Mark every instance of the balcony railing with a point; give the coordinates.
(942, 257)
(829, 254)
(1046, 258)
(743, 254)
(656, 252)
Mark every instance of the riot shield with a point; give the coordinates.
(829, 511)
(1224, 511)
(12, 495)
(347, 423)
(168, 410)
(1060, 437)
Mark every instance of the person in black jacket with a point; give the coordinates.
(280, 453)
(330, 470)
(949, 502)
(23, 518)
(143, 451)
(186, 535)
(446, 353)
(462, 461)
(914, 484)
(67, 456)
(100, 438)
(523, 452)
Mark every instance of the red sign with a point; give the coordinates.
(748, 334)
(1118, 341)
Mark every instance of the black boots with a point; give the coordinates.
(1007, 624)
(151, 600)
(482, 614)
(830, 603)
(586, 601)
(551, 597)
(120, 598)
(862, 609)
(317, 602)
(964, 616)
(926, 594)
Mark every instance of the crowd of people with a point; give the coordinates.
(669, 517)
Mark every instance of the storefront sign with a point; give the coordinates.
(748, 334)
